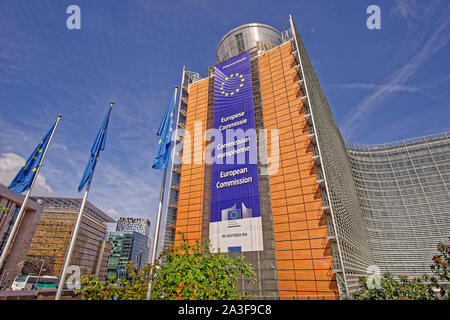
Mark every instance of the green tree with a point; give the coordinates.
(3, 209)
(194, 272)
(441, 272)
(189, 271)
(389, 288)
(131, 287)
(435, 287)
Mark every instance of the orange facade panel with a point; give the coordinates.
(192, 174)
(302, 250)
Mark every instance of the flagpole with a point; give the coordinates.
(27, 196)
(74, 236)
(158, 219)
(72, 243)
(155, 240)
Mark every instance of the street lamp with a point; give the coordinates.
(3, 274)
(40, 271)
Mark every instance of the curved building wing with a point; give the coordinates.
(404, 191)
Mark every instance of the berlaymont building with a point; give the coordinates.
(310, 211)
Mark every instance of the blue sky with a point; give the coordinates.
(382, 85)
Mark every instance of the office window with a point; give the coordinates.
(240, 42)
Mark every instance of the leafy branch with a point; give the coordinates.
(189, 271)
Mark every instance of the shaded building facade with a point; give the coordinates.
(18, 251)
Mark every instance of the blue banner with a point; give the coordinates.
(235, 216)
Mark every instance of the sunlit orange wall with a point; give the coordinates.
(303, 252)
(192, 173)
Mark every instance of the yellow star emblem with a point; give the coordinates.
(233, 83)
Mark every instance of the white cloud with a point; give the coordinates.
(10, 164)
(406, 8)
(371, 86)
(397, 81)
(414, 10)
(127, 192)
(113, 214)
(423, 89)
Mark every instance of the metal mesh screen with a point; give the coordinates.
(404, 193)
(351, 248)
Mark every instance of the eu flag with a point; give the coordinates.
(99, 144)
(165, 133)
(22, 181)
(234, 214)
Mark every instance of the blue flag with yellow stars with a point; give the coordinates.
(99, 144)
(165, 135)
(22, 181)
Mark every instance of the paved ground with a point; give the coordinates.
(42, 294)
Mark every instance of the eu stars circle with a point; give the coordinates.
(232, 84)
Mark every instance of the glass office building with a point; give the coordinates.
(126, 246)
(331, 209)
(141, 225)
